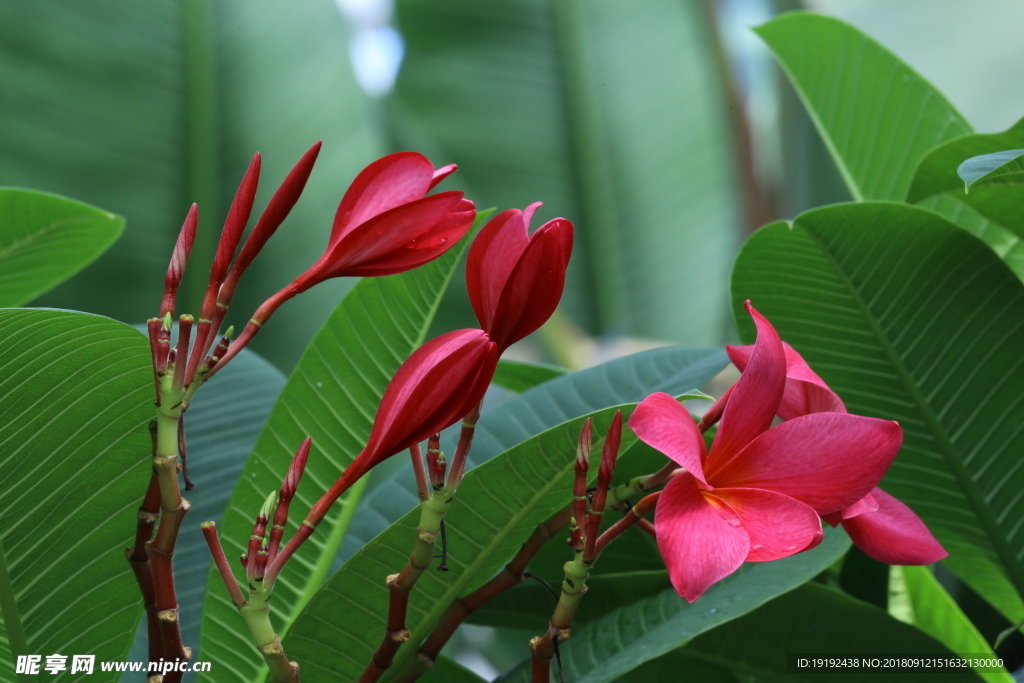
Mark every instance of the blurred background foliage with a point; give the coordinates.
(662, 129)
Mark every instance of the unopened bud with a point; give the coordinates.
(179, 259)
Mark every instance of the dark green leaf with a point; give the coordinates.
(45, 239)
(76, 392)
(143, 109)
(449, 671)
(332, 396)
(615, 115)
(518, 376)
(909, 318)
(814, 619)
(876, 115)
(626, 638)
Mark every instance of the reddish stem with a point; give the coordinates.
(138, 559)
(220, 560)
(422, 486)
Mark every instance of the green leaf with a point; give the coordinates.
(997, 165)
(936, 613)
(814, 619)
(999, 198)
(647, 173)
(876, 115)
(909, 318)
(518, 376)
(498, 506)
(1004, 243)
(76, 392)
(145, 109)
(623, 380)
(447, 670)
(331, 396)
(223, 421)
(626, 638)
(45, 239)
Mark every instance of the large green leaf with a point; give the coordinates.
(143, 109)
(331, 396)
(499, 505)
(223, 422)
(76, 392)
(1004, 243)
(814, 620)
(876, 115)
(910, 318)
(518, 376)
(614, 114)
(999, 199)
(936, 613)
(626, 638)
(45, 239)
(622, 380)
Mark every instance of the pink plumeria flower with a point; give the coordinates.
(760, 492)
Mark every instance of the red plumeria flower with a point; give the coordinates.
(385, 224)
(759, 494)
(515, 280)
(879, 524)
(439, 384)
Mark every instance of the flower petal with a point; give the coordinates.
(534, 287)
(866, 504)
(442, 173)
(388, 182)
(778, 526)
(894, 534)
(755, 397)
(826, 460)
(698, 545)
(805, 392)
(492, 256)
(665, 425)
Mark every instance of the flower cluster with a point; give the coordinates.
(761, 492)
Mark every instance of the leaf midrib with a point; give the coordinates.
(20, 244)
(967, 484)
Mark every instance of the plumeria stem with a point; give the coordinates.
(432, 512)
(138, 558)
(422, 486)
(632, 517)
(458, 466)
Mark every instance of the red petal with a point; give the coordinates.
(699, 546)
(865, 504)
(805, 392)
(778, 526)
(755, 397)
(826, 460)
(402, 227)
(430, 390)
(386, 183)
(663, 424)
(894, 534)
(535, 285)
(442, 173)
(493, 255)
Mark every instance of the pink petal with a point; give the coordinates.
(493, 255)
(665, 425)
(894, 534)
(403, 226)
(442, 173)
(805, 392)
(698, 545)
(386, 183)
(778, 526)
(826, 460)
(755, 397)
(534, 287)
(865, 504)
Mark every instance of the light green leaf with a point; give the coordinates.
(626, 638)
(223, 421)
(76, 392)
(498, 506)
(909, 318)
(332, 396)
(936, 613)
(45, 239)
(876, 115)
(143, 109)
(999, 198)
(614, 114)
(997, 165)
(1004, 243)
(519, 376)
(812, 620)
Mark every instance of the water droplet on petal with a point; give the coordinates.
(411, 245)
(757, 546)
(346, 217)
(732, 522)
(788, 548)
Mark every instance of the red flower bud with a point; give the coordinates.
(516, 280)
(179, 259)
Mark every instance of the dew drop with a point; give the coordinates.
(411, 245)
(319, 385)
(732, 522)
(346, 217)
(711, 611)
(754, 548)
(788, 548)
